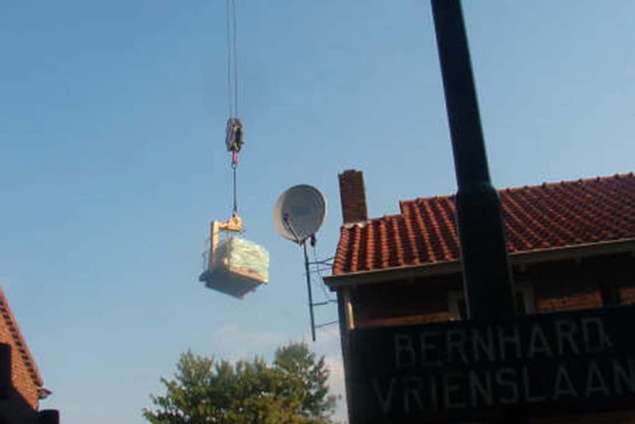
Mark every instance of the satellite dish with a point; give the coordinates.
(299, 212)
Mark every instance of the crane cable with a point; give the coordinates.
(232, 63)
(234, 127)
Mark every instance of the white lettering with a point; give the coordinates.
(456, 343)
(527, 388)
(513, 340)
(427, 348)
(434, 397)
(404, 351)
(413, 388)
(595, 381)
(506, 377)
(591, 327)
(483, 344)
(620, 376)
(384, 401)
(478, 388)
(564, 332)
(450, 389)
(538, 343)
(563, 385)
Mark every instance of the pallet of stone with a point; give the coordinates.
(236, 267)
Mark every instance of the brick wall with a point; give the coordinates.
(23, 399)
(627, 294)
(403, 303)
(568, 299)
(559, 297)
(558, 286)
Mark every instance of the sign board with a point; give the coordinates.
(556, 363)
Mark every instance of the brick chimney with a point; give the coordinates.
(353, 196)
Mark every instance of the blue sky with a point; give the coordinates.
(112, 160)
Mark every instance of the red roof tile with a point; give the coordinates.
(551, 215)
(18, 339)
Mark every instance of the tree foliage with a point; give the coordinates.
(292, 390)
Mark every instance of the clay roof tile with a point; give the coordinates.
(546, 216)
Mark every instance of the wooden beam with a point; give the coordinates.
(574, 252)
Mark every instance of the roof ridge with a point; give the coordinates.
(19, 339)
(525, 187)
(437, 197)
(570, 182)
(372, 220)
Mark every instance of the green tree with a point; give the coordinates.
(298, 363)
(292, 390)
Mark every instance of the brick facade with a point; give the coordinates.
(549, 299)
(22, 402)
(571, 247)
(627, 295)
(558, 286)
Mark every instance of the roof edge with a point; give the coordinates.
(448, 267)
(20, 341)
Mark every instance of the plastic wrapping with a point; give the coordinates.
(243, 257)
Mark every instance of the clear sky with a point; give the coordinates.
(112, 159)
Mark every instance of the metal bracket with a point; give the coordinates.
(234, 224)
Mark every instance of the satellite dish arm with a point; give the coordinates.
(287, 224)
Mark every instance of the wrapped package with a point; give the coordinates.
(238, 267)
(243, 257)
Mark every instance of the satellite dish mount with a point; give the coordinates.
(298, 215)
